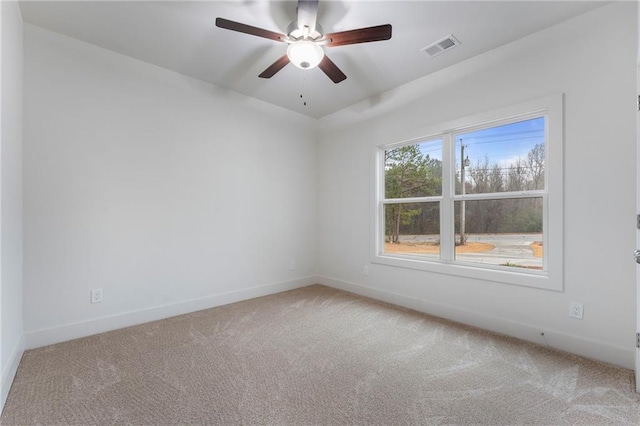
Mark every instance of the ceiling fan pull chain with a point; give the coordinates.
(302, 89)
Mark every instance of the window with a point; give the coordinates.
(480, 197)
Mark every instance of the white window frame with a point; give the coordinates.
(551, 278)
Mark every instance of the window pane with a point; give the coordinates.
(412, 229)
(413, 170)
(502, 158)
(500, 232)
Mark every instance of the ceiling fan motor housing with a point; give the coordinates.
(297, 33)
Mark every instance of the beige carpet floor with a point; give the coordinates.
(314, 355)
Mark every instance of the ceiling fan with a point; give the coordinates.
(306, 39)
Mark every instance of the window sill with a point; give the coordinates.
(531, 278)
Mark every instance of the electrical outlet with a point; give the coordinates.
(96, 295)
(292, 265)
(365, 270)
(576, 310)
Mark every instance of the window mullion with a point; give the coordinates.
(446, 204)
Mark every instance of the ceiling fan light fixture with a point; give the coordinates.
(305, 54)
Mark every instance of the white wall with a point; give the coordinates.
(11, 343)
(168, 193)
(592, 60)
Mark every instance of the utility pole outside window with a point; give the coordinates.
(464, 162)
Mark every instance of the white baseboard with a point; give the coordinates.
(49, 336)
(569, 343)
(10, 372)
(577, 345)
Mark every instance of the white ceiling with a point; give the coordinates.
(181, 36)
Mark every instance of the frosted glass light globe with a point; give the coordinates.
(305, 54)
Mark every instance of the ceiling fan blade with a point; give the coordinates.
(307, 14)
(248, 29)
(361, 35)
(331, 70)
(275, 67)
